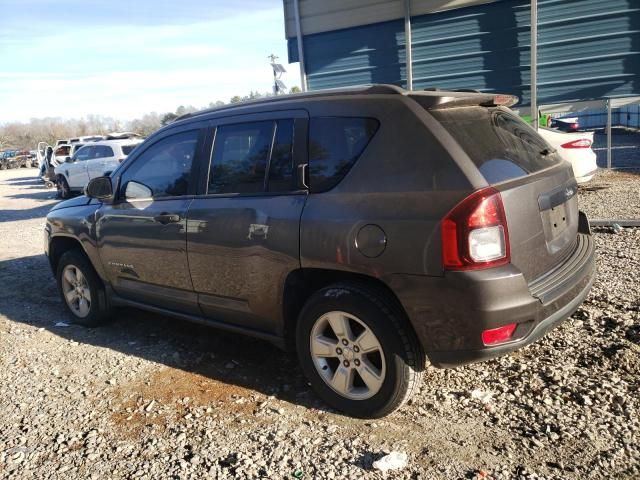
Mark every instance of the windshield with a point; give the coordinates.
(498, 142)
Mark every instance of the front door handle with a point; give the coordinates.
(165, 218)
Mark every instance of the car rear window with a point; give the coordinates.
(500, 144)
(335, 143)
(127, 149)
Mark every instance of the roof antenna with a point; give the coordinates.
(278, 85)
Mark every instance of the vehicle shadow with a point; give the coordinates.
(35, 180)
(44, 197)
(40, 194)
(223, 357)
(10, 215)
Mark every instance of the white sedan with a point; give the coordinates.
(575, 148)
(94, 159)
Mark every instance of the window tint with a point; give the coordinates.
(165, 167)
(83, 154)
(239, 159)
(102, 151)
(281, 177)
(335, 143)
(500, 144)
(127, 149)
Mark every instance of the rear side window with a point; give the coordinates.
(240, 157)
(244, 153)
(281, 176)
(335, 143)
(499, 143)
(102, 151)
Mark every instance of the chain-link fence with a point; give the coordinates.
(594, 117)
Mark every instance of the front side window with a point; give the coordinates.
(335, 143)
(164, 169)
(240, 156)
(83, 154)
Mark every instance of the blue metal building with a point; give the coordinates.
(587, 49)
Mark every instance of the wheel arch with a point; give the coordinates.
(300, 284)
(60, 244)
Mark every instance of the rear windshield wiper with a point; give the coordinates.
(547, 151)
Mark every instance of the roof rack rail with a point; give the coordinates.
(121, 135)
(461, 90)
(368, 89)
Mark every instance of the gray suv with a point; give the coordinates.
(368, 229)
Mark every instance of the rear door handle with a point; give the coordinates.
(165, 218)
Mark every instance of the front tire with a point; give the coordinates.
(358, 351)
(81, 290)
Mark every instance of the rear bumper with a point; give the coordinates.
(450, 313)
(461, 357)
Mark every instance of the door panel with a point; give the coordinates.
(143, 255)
(77, 171)
(142, 236)
(96, 168)
(77, 174)
(240, 251)
(242, 242)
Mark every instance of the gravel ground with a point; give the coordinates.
(612, 194)
(151, 397)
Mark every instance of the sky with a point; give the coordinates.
(125, 58)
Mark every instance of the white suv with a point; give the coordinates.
(92, 160)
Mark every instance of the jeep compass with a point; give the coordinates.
(370, 229)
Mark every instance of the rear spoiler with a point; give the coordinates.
(463, 99)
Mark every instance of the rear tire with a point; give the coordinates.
(62, 185)
(358, 350)
(81, 290)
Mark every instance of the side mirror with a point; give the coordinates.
(67, 160)
(99, 188)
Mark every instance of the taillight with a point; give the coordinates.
(474, 233)
(498, 335)
(581, 143)
(505, 100)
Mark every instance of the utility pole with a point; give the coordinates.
(534, 63)
(299, 38)
(408, 47)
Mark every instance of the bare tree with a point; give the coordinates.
(26, 135)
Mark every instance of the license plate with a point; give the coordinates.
(558, 219)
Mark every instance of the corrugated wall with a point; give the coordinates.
(328, 15)
(588, 49)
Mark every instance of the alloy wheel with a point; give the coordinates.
(347, 355)
(76, 291)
